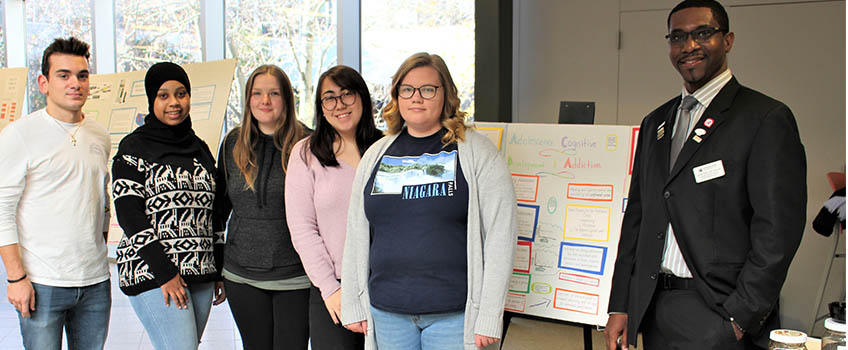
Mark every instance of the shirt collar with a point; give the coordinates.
(706, 93)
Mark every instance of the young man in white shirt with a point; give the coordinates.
(54, 210)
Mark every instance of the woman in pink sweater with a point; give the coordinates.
(317, 191)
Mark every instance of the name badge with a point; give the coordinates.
(709, 171)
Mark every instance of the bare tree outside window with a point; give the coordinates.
(151, 31)
(394, 30)
(2, 35)
(46, 21)
(299, 36)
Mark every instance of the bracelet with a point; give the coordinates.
(17, 280)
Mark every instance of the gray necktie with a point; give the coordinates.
(680, 129)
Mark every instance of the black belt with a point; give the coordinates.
(670, 282)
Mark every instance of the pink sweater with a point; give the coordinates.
(316, 210)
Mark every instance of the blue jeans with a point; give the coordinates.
(169, 327)
(413, 332)
(82, 311)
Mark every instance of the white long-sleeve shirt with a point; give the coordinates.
(53, 198)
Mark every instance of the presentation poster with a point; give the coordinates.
(118, 101)
(12, 92)
(571, 186)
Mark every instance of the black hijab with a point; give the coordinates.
(161, 143)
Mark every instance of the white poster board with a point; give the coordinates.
(118, 101)
(12, 92)
(571, 186)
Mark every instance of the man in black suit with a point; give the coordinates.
(716, 207)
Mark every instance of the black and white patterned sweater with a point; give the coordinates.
(165, 211)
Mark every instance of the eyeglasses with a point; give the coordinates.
(348, 98)
(426, 91)
(700, 35)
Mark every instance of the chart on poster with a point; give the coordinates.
(571, 185)
(12, 93)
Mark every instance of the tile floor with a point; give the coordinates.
(125, 330)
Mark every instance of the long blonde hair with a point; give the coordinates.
(452, 118)
(288, 129)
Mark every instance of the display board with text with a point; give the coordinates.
(12, 92)
(571, 186)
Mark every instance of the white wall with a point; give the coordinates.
(566, 50)
(791, 50)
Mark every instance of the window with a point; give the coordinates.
(46, 21)
(2, 36)
(394, 30)
(299, 36)
(151, 31)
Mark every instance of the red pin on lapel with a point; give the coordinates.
(709, 122)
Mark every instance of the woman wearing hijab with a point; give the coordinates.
(267, 287)
(164, 188)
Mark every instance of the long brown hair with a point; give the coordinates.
(288, 129)
(452, 119)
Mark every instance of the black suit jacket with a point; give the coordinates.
(738, 233)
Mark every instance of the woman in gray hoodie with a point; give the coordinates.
(267, 286)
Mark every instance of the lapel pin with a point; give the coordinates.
(697, 139)
(709, 122)
(661, 131)
(700, 132)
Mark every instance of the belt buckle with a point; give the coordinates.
(666, 280)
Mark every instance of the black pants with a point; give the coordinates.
(324, 333)
(680, 319)
(269, 319)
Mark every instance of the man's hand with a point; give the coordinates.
(358, 327)
(737, 331)
(616, 327)
(219, 293)
(22, 296)
(334, 306)
(174, 290)
(483, 341)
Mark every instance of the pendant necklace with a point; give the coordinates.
(72, 135)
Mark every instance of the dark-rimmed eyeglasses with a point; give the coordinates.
(426, 91)
(348, 98)
(700, 35)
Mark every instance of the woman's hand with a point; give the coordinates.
(334, 306)
(220, 294)
(358, 327)
(175, 290)
(483, 341)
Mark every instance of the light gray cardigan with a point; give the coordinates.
(491, 239)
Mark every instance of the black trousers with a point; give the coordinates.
(269, 319)
(324, 333)
(680, 319)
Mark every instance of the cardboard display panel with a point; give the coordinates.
(571, 184)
